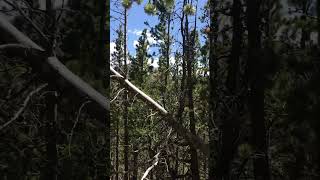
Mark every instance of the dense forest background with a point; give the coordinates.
(236, 87)
(51, 126)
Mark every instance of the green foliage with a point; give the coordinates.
(150, 9)
(127, 4)
(169, 3)
(189, 9)
(291, 92)
(138, 1)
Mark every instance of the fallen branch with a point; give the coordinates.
(137, 90)
(55, 72)
(193, 140)
(12, 46)
(75, 124)
(156, 157)
(23, 107)
(16, 6)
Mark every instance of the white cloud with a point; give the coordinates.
(112, 47)
(172, 60)
(135, 32)
(154, 63)
(135, 43)
(138, 32)
(150, 39)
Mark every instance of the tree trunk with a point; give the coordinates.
(318, 14)
(135, 163)
(102, 42)
(213, 68)
(167, 66)
(117, 149)
(230, 125)
(189, 56)
(126, 105)
(51, 168)
(50, 117)
(304, 32)
(256, 92)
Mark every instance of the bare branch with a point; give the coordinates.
(117, 95)
(142, 94)
(75, 124)
(28, 19)
(24, 105)
(193, 140)
(52, 67)
(156, 161)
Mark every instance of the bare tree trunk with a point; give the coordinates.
(189, 56)
(126, 104)
(256, 92)
(117, 149)
(135, 163)
(182, 86)
(167, 71)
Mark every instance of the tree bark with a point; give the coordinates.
(230, 125)
(117, 149)
(304, 32)
(126, 104)
(192, 126)
(256, 92)
(318, 21)
(213, 68)
(135, 163)
(51, 169)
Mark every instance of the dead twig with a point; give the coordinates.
(75, 124)
(23, 107)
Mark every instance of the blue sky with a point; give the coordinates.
(136, 19)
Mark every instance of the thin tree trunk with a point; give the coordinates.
(117, 149)
(167, 72)
(182, 85)
(100, 61)
(189, 56)
(135, 163)
(126, 105)
(304, 33)
(256, 92)
(105, 167)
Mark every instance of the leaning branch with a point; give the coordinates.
(156, 161)
(54, 71)
(141, 93)
(193, 140)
